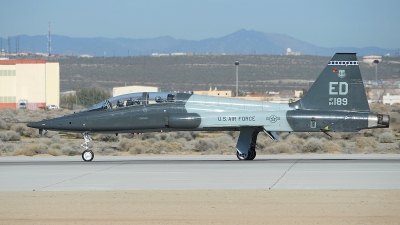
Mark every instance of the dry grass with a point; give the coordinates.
(387, 137)
(364, 142)
(55, 152)
(32, 149)
(312, 145)
(331, 147)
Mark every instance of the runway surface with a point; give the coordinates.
(275, 172)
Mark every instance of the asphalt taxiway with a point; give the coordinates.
(266, 172)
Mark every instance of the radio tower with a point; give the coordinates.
(9, 46)
(49, 42)
(16, 45)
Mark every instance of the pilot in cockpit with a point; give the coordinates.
(120, 103)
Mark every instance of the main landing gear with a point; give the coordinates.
(246, 145)
(87, 155)
(250, 156)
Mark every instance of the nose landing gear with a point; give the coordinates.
(87, 155)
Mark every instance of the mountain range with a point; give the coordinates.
(240, 42)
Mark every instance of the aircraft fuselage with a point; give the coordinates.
(336, 102)
(200, 113)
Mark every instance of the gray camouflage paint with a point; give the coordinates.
(335, 102)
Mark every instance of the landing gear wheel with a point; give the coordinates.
(252, 155)
(87, 155)
(241, 156)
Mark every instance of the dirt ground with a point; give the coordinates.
(201, 207)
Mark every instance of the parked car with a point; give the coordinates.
(22, 105)
(52, 107)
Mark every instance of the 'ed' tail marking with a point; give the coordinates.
(339, 87)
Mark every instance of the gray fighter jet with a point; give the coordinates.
(336, 102)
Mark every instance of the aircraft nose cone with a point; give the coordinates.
(35, 125)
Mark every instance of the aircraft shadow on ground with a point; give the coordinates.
(52, 162)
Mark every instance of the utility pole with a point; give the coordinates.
(16, 45)
(9, 45)
(237, 77)
(49, 42)
(376, 70)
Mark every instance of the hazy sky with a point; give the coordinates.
(325, 23)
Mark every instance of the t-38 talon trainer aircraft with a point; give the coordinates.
(336, 102)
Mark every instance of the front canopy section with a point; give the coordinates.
(135, 99)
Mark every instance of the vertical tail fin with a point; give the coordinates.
(339, 87)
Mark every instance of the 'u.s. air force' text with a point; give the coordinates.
(236, 118)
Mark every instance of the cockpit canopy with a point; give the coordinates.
(135, 99)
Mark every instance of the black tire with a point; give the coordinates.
(87, 155)
(252, 155)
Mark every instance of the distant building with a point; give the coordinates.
(390, 99)
(66, 93)
(33, 83)
(24, 53)
(255, 97)
(283, 100)
(134, 88)
(41, 54)
(178, 53)
(172, 54)
(215, 92)
(289, 52)
(85, 56)
(297, 94)
(159, 54)
(372, 58)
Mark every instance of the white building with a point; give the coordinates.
(159, 54)
(35, 82)
(178, 53)
(297, 94)
(85, 56)
(215, 92)
(372, 58)
(289, 52)
(391, 99)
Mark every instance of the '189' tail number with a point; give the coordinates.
(337, 101)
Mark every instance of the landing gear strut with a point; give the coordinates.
(246, 145)
(87, 155)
